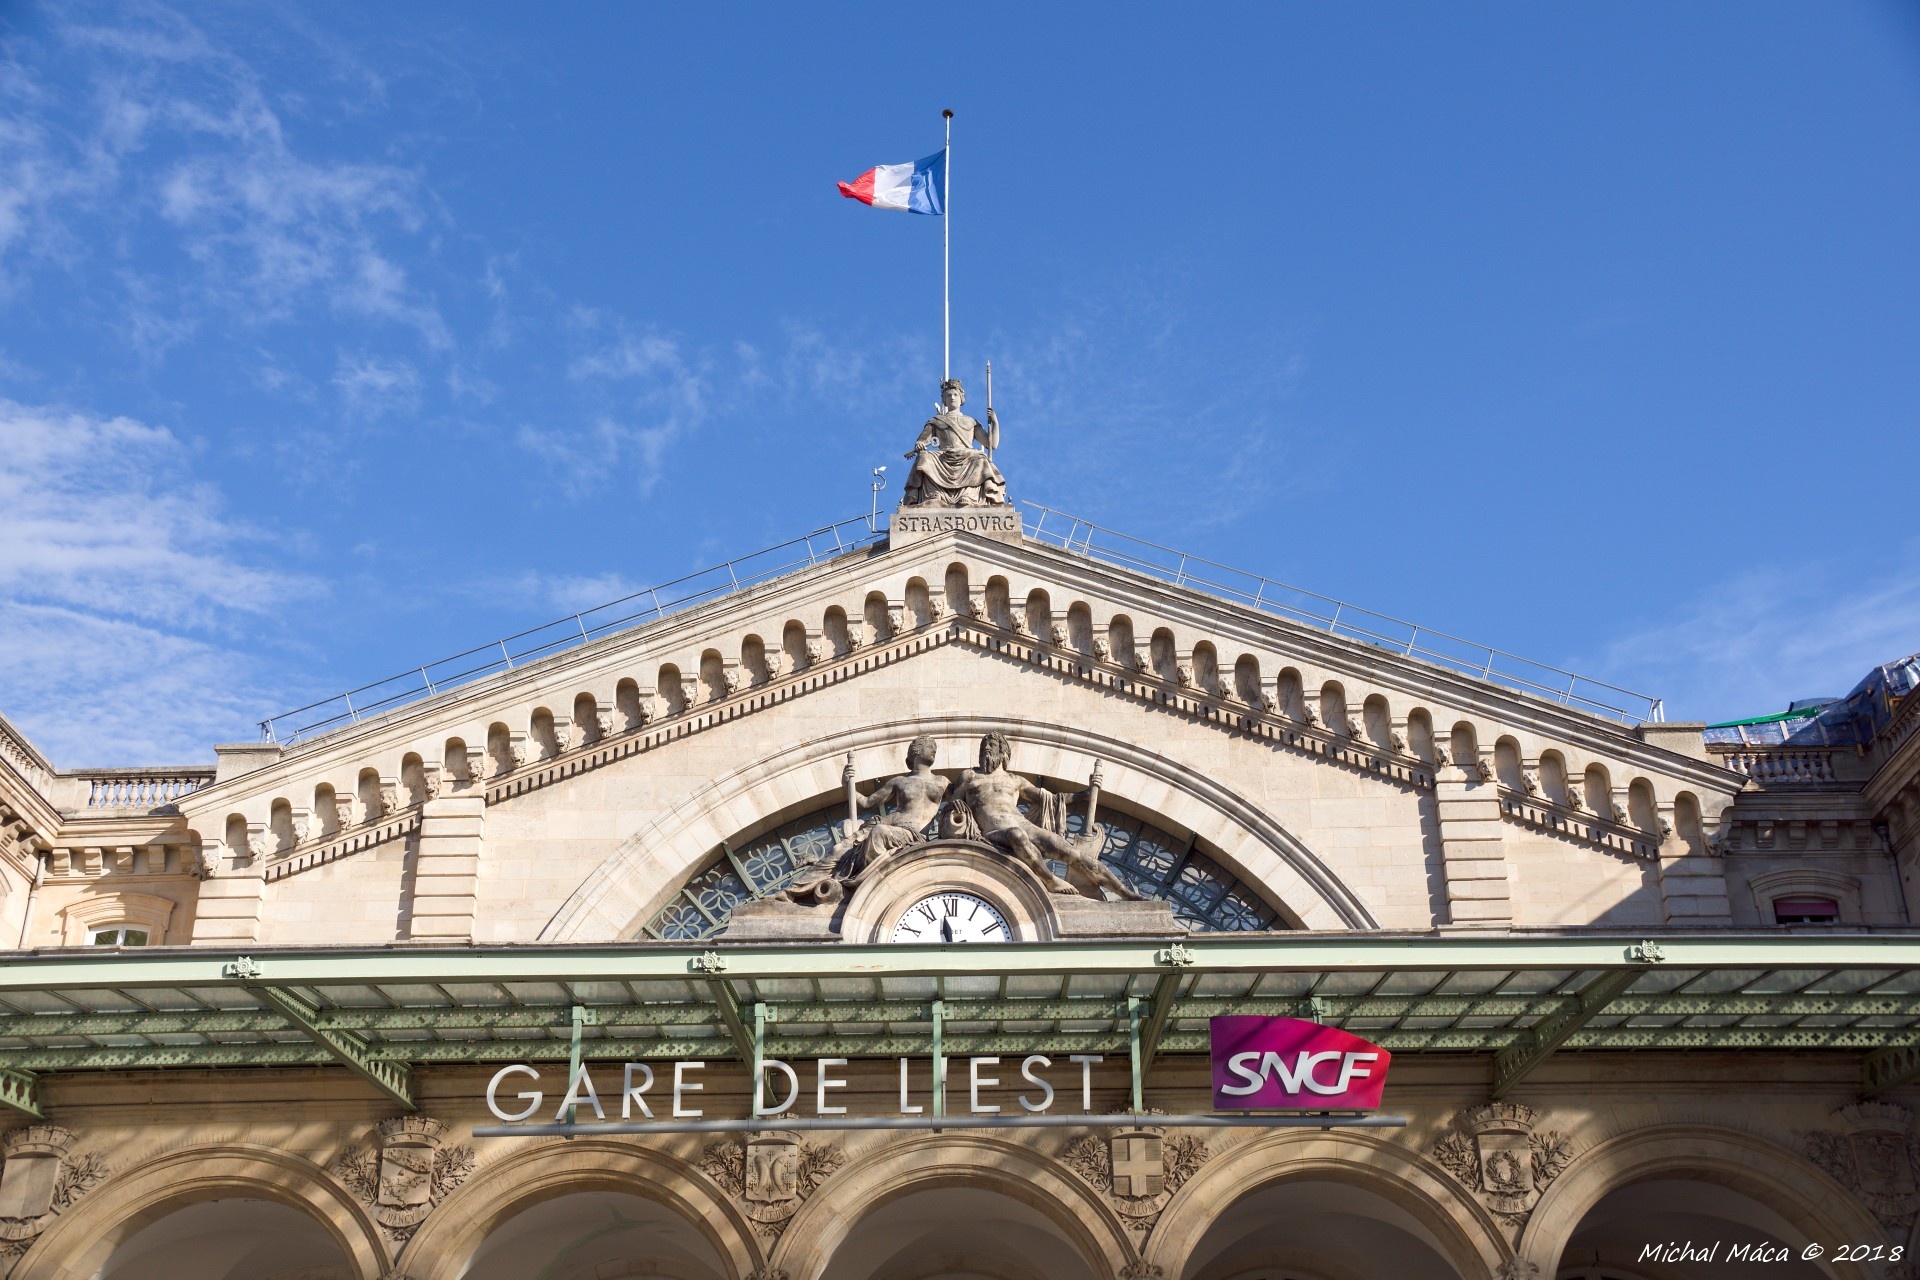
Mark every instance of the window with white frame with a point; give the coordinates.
(118, 935)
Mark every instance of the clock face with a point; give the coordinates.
(952, 917)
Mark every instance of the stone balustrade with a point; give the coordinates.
(141, 789)
(1787, 767)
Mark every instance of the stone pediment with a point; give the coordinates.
(868, 617)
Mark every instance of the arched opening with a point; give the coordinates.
(586, 718)
(626, 697)
(234, 1239)
(1120, 640)
(413, 779)
(546, 738)
(1080, 626)
(958, 1233)
(1317, 1229)
(280, 825)
(1507, 764)
(1377, 716)
(878, 618)
(999, 602)
(1039, 615)
(1165, 657)
(595, 1235)
(833, 627)
(713, 673)
(1613, 1235)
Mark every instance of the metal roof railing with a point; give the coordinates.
(1339, 617)
(572, 631)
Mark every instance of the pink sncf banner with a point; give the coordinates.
(1290, 1064)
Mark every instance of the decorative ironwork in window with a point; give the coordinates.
(1206, 897)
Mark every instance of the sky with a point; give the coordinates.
(338, 338)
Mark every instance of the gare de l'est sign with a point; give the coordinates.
(1305, 1071)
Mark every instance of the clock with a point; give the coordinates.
(952, 917)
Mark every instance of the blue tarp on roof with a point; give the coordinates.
(1854, 720)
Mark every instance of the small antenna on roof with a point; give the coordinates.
(873, 513)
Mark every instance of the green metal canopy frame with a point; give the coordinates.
(381, 1012)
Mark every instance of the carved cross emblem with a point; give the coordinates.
(1138, 1168)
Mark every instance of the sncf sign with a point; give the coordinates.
(1290, 1064)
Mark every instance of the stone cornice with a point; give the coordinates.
(809, 591)
(1412, 677)
(1146, 690)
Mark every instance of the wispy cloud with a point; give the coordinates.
(122, 589)
(266, 229)
(1753, 643)
(372, 386)
(650, 392)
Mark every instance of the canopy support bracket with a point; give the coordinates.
(350, 1050)
(1889, 1068)
(1513, 1063)
(20, 1091)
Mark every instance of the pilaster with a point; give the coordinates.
(228, 908)
(1473, 849)
(1693, 885)
(447, 867)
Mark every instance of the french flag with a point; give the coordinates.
(920, 187)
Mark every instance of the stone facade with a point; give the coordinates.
(1346, 789)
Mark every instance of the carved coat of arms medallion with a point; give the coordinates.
(1498, 1153)
(1138, 1169)
(39, 1179)
(771, 1174)
(1872, 1151)
(404, 1172)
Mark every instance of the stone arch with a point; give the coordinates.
(919, 603)
(81, 1240)
(1246, 680)
(544, 733)
(1039, 614)
(586, 717)
(442, 1247)
(1377, 717)
(1080, 626)
(1777, 1178)
(1473, 1242)
(1256, 848)
(955, 1159)
(1121, 642)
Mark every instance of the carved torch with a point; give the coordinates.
(1093, 802)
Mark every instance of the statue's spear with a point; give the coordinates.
(993, 425)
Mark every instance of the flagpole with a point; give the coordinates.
(946, 254)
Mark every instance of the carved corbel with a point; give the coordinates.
(816, 649)
(1484, 767)
(977, 604)
(430, 780)
(121, 855)
(896, 618)
(776, 660)
(479, 765)
(518, 751)
(1058, 636)
(389, 797)
(1102, 651)
(736, 678)
(562, 735)
(606, 721)
(259, 842)
(936, 609)
(303, 825)
(1356, 731)
(689, 692)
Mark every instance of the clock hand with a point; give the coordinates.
(946, 928)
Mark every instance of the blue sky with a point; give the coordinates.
(336, 338)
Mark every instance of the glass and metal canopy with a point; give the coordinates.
(1514, 999)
